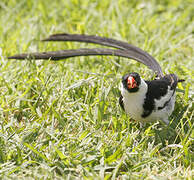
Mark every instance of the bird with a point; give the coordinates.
(143, 100)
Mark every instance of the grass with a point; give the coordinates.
(62, 120)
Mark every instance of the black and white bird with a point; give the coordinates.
(144, 101)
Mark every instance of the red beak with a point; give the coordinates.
(131, 83)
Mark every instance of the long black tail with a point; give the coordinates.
(123, 49)
(63, 54)
(146, 58)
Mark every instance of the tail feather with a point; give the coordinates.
(181, 80)
(147, 59)
(63, 54)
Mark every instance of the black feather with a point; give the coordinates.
(141, 55)
(63, 54)
(121, 102)
(157, 89)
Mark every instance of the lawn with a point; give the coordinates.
(62, 120)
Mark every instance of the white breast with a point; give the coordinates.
(133, 102)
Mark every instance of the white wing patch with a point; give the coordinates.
(164, 99)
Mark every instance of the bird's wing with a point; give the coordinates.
(146, 58)
(162, 89)
(160, 93)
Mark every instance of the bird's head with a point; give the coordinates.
(131, 82)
